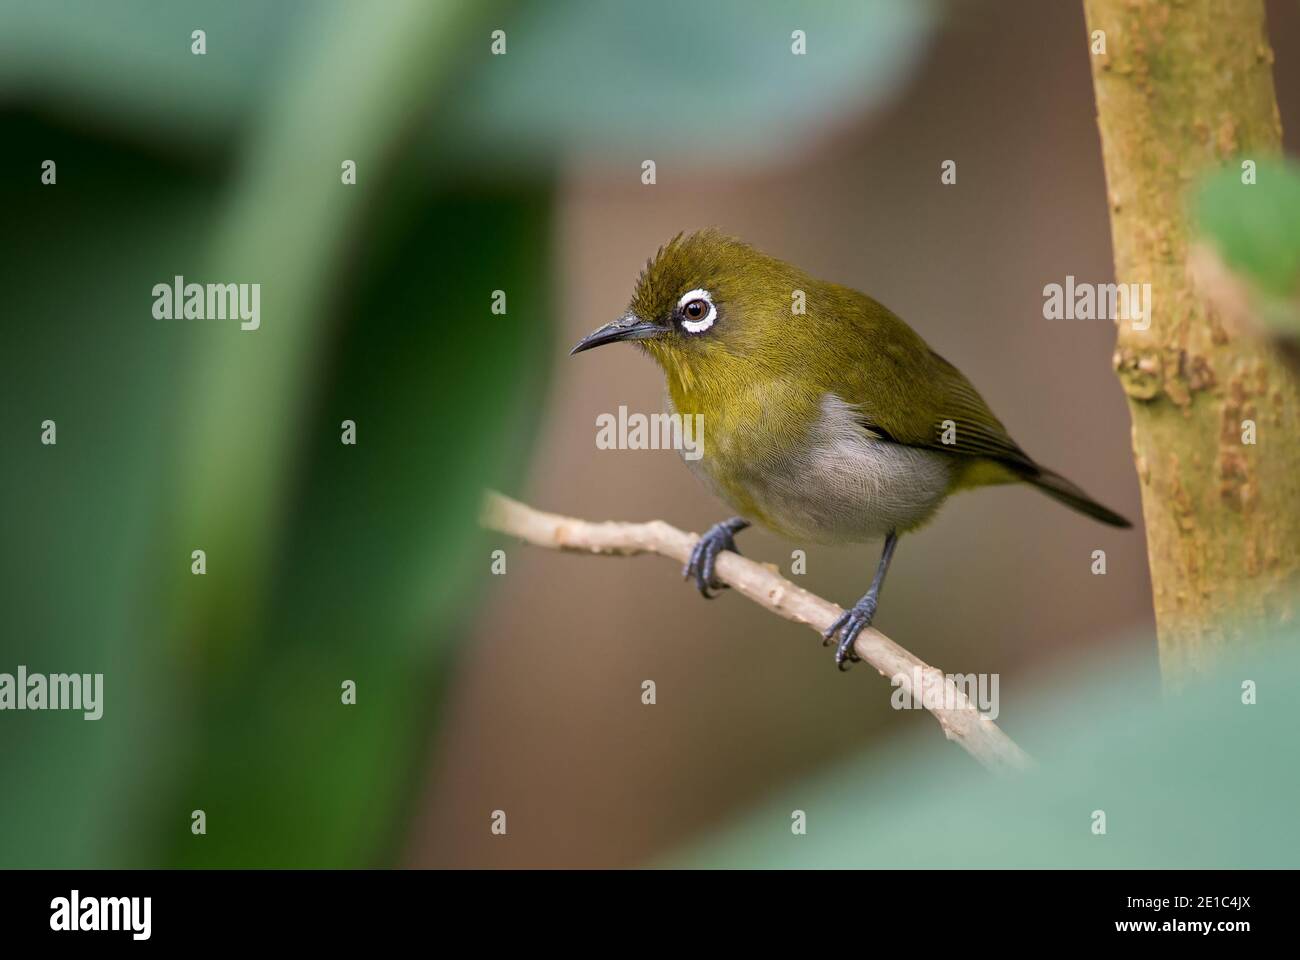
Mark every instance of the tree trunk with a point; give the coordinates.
(1182, 89)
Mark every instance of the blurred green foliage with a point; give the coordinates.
(1255, 229)
(682, 81)
(325, 562)
(581, 79)
(1196, 779)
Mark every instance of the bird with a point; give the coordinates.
(826, 418)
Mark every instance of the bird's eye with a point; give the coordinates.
(697, 311)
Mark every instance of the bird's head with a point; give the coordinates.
(707, 304)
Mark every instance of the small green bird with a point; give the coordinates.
(834, 424)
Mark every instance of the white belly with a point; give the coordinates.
(845, 487)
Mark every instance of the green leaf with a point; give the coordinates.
(380, 559)
(1195, 780)
(694, 82)
(1255, 228)
(682, 81)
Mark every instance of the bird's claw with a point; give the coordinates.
(704, 556)
(849, 624)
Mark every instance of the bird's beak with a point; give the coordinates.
(629, 327)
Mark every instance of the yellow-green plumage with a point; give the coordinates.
(843, 401)
(830, 423)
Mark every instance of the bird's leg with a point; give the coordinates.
(704, 554)
(854, 621)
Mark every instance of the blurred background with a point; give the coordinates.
(522, 172)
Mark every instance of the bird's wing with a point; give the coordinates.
(906, 393)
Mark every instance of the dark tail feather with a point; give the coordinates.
(1059, 488)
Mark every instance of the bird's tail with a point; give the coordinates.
(1059, 488)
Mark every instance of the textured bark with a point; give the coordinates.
(1183, 88)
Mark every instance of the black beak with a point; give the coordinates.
(630, 327)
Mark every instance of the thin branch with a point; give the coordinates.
(961, 722)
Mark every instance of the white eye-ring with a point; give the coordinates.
(697, 310)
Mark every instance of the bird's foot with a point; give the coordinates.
(850, 623)
(704, 555)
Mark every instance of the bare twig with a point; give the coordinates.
(961, 722)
